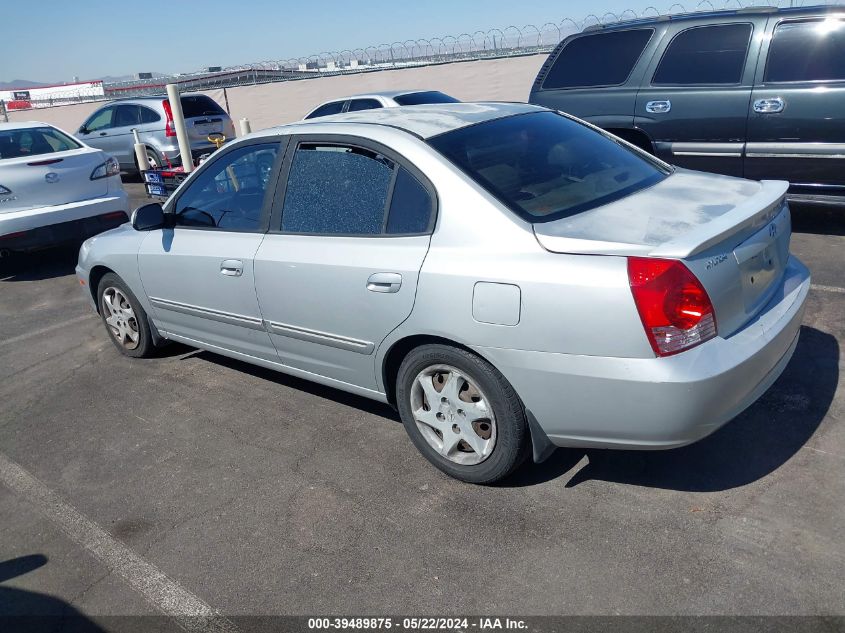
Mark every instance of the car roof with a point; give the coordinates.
(423, 121)
(716, 14)
(22, 125)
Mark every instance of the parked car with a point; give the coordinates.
(376, 100)
(508, 277)
(54, 189)
(110, 127)
(756, 92)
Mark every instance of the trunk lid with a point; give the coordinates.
(203, 116)
(733, 234)
(44, 180)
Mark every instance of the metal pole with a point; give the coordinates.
(245, 127)
(3, 110)
(181, 131)
(140, 152)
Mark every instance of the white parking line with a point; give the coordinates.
(166, 595)
(45, 330)
(827, 288)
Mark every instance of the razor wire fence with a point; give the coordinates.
(509, 41)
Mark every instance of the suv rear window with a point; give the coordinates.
(705, 55)
(199, 105)
(599, 59)
(807, 51)
(545, 166)
(419, 98)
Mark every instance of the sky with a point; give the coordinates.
(54, 40)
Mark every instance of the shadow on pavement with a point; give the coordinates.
(753, 445)
(818, 220)
(40, 265)
(25, 611)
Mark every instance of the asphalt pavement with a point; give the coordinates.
(222, 486)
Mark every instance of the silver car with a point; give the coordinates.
(377, 100)
(109, 128)
(508, 277)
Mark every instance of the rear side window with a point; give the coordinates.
(346, 190)
(363, 104)
(34, 141)
(200, 105)
(807, 51)
(149, 116)
(599, 59)
(335, 107)
(419, 98)
(705, 55)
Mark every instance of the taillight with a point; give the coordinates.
(110, 168)
(674, 307)
(169, 130)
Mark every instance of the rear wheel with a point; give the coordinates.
(124, 318)
(461, 414)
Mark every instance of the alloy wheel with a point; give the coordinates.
(120, 318)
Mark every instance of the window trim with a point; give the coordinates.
(360, 143)
(698, 85)
(582, 35)
(282, 143)
(805, 19)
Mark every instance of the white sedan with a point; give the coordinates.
(54, 188)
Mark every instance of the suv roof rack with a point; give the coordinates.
(764, 9)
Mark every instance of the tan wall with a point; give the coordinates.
(266, 105)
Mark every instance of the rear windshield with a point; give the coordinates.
(419, 98)
(34, 141)
(545, 166)
(199, 105)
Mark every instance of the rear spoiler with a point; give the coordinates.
(751, 214)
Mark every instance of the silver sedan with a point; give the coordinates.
(508, 277)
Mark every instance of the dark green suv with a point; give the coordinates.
(756, 92)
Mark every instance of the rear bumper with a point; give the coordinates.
(38, 228)
(659, 403)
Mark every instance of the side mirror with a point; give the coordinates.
(148, 217)
(83, 129)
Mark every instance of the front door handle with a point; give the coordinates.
(103, 133)
(769, 106)
(658, 107)
(384, 282)
(232, 267)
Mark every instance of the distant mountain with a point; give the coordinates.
(20, 83)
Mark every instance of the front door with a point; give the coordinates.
(199, 275)
(796, 126)
(338, 270)
(694, 99)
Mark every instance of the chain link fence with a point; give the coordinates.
(512, 40)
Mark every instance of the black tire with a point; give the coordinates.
(144, 347)
(513, 439)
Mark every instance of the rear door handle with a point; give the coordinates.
(232, 267)
(384, 282)
(769, 106)
(658, 107)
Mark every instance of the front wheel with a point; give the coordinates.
(124, 318)
(462, 414)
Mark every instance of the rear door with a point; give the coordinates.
(594, 76)
(796, 128)
(694, 99)
(338, 270)
(127, 116)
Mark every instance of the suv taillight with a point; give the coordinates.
(674, 307)
(169, 130)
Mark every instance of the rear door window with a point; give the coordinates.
(807, 51)
(126, 116)
(705, 55)
(598, 59)
(200, 106)
(335, 107)
(363, 104)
